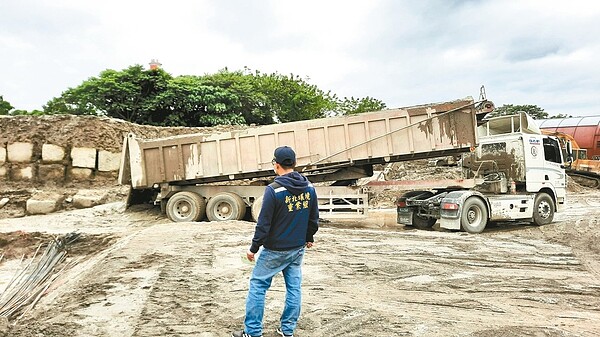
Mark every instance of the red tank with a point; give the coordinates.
(585, 130)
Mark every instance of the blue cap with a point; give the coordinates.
(284, 155)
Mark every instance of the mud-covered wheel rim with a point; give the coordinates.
(224, 210)
(543, 209)
(474, 216)
(183, 209)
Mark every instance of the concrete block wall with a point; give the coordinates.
(3, 170)
(108, 161)
(54, 164)
(52, 153)
(2, 155)
(20, 152)
(84, 157)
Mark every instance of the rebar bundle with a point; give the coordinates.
(29, 284)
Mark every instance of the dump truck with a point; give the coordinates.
(222, 176)
(515, 173)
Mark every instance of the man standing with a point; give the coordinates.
(288, 220)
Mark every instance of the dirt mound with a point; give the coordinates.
(408, 170)
(574, 187)
(420, 170)
(70, 131)
(86, 131)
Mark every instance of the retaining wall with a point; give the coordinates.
(45, 163)
(55, 162)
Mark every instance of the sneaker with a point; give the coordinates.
(241, 333)
(282, 334)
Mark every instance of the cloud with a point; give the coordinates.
(530, 49)
(403, 52)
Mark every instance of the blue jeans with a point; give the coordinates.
(268, 264)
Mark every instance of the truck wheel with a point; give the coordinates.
(185, 206)
(225, 206)
(543, 209)
(474, 215)
(256, 206)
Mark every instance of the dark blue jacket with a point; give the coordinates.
(289, 216)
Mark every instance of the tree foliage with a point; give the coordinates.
(187, 101)
(227, 97)
(36, 112)
(126, 94)
(252, 103)
(350, 106)
(291, 98)
(561, 116)
(532, 110)
(508, 109)
(5, 107)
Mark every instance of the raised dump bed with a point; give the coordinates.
(328, 149)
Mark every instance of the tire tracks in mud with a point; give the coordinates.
(181, 285)
(157, 281)
(182, 298)
(441, 284)
(187, 280)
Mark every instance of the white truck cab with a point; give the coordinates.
(518, 175)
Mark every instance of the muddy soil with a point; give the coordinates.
(145, 276)
(86, 131)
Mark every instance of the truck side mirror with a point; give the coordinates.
(569, 153)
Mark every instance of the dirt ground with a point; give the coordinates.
(86, 131)
(145, 276)
(135, 273)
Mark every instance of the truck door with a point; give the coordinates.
(544, 165)
(555, 167)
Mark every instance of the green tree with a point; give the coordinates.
(5, 107)
(152, 97)
(508, 109)
(561, 116)
(121, 94)
(350, 106)
(227, 97)
(186, 101)
(17, 112)
(291, 98)
(245, 85)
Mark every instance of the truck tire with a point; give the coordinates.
(474, 215)
(421, 222)
(225, 206)
(186, 206)
(256, 206)
(543, 209)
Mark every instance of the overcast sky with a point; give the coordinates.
(405, 53)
